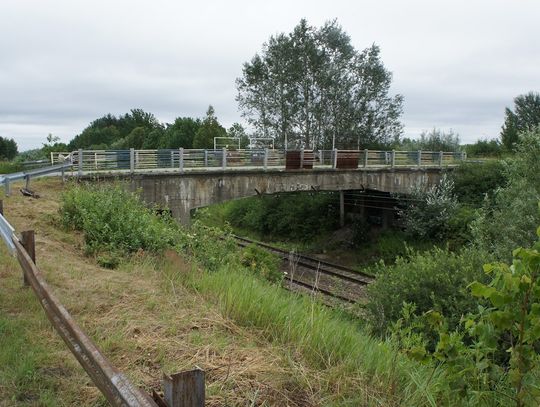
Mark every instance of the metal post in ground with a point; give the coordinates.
(181, 159)
(440, 158)
(334, 158)
(224, 158)
(341, 208)
(80, 162)
(206, 158)
(132, 160)
(265, 162)
(419, 162)
(366, 156)
(184, 389)
(29, 243)
(393, 162)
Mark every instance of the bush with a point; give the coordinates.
(115, 221)
(432, 280)
(262, 263)
(474, 181)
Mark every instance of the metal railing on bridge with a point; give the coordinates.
(197, 159)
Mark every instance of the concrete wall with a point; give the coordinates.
(181, 192)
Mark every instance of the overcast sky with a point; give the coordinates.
(457, 63)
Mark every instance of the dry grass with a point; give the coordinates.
(142, 319)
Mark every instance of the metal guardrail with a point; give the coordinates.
(7, 179)
(184, 389)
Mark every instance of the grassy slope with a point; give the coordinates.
(142, 319)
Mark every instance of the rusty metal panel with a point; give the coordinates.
(297, 159)
(347, 159)
(184, 389)
(116, 387)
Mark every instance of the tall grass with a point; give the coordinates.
(366, 371)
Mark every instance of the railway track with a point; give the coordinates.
(308, 273)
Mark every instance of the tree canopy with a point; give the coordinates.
(8, 148)
(525, 116)
(312, 88)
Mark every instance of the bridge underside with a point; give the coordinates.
(182, 192)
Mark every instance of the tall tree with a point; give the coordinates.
(8, 148)
(526, 116)
(210, 128)
(181, 133)
(312, 88)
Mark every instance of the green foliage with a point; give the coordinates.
(431, 280)
(474, 181)
(298, 216)
(484, 148)
(434, 140)
(8, 149)
(181, 133)
(492, 357)
(510, 220)
(311, 84)
(262, 262)
(9, 167)
(115, 221)
(525, 117)
(428, 211)
(210, 128)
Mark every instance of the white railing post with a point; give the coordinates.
(206, 158)
(172, 158)
(80, 162)
(334, 158)
(393, 159)
(131, 159)
(224, 158)
(52, 158)
(366, 156)
(181, 159)
(265, 160)
(440, 158)
(419, 158)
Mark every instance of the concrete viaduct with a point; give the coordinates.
(182, 192)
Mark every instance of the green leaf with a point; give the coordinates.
(481, 290)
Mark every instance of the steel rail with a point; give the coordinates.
(7, 233)
(114, 385)
(322, 266)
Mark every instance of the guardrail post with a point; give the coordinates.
(265, 162)
(419, 158)
(321, 157)
(366, 156)
(334, 158)
(302, 158)
(184, 389)
(131, 160)
(7, 188)
(172, 158)
(440, 158)
(181, 159)
(80, 162)
(29, 243)
(206, 158)
(52, 158)
(224, 158)
(393, 158)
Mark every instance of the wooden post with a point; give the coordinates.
(184, 389)
(29, 243)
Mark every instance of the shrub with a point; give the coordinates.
(114, 220)
(262, 263)
(473, 181)
(432, 280)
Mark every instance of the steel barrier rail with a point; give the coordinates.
(27, 175)
(7, 232)
(114, 385)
